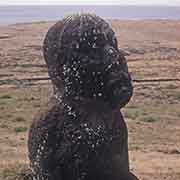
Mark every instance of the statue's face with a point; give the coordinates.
(92, 65)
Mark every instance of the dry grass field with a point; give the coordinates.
(152, 116)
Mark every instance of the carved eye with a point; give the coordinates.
(114, 41)
(111, 51)
(112, 38)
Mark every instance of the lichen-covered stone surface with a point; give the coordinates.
(81, 135)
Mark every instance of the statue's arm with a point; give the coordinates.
(41, 145)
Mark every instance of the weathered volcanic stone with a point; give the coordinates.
(81, 135)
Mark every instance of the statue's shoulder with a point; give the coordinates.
(49, 115)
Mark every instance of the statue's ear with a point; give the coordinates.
(124, 53)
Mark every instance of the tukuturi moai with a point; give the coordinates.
(82, 134)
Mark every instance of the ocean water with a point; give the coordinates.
(17, 14)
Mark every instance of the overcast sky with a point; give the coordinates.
(95, 2)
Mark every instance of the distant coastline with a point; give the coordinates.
(35, 13)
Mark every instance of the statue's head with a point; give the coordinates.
(83, 60)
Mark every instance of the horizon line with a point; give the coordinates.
(87, 4)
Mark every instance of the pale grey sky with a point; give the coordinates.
(95, 2)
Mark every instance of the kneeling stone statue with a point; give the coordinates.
(82, 134)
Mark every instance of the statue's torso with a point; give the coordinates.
(80, 138)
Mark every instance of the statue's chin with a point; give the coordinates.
(119, 101)
(119, 94)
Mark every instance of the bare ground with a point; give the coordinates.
(153, 115)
